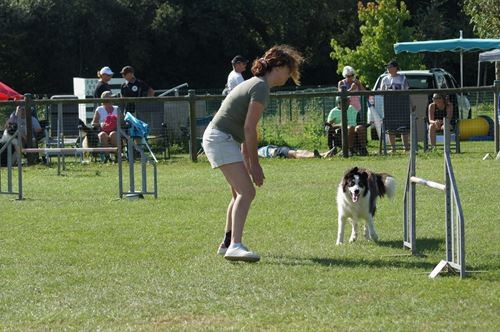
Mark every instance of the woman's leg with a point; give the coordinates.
(432, 135)
(243, 190)
(103, 139)
(392, 141)
(350, 137)
(300, 154)
(113, 138)
(406, 141)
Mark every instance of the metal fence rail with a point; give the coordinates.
(293, 117)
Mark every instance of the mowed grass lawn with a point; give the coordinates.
(73, 257)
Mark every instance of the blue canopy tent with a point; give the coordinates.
(451, 45)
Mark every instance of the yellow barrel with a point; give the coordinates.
(473, 127)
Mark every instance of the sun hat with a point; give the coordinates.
(106, 70)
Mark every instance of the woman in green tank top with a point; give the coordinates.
(230, 140)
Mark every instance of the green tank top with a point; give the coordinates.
(230, 118)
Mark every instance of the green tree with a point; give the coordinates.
(485, 16)
(214, 31)
(382, 25)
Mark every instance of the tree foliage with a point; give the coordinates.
(382, 25)
(45, 43)
(485, 16)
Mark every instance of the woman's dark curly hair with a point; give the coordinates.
(277, 56)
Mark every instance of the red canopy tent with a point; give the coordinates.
(7, 93)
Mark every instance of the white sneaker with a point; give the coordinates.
(222, 249)
(240, 253)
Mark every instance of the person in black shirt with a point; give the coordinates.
(133, 87)
(105, 75)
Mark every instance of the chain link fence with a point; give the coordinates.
(294, 117)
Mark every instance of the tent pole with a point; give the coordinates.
(461, 68)
(496, 106)
(478, 71)
(461, 63)
(478, 76)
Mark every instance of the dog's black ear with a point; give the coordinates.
(350, 172)
(364, 175)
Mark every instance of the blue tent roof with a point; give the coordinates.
(454, 45)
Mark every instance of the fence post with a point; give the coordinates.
(28, 99)
(496, 117)
(192, 125)
(345, 136)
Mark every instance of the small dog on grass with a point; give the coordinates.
(357, 196)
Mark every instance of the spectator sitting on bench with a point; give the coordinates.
(356, 133)
(439, 109)
(106, 118)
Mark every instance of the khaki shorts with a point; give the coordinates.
(220, 147)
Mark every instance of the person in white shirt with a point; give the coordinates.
(235, 77)
(106, 119)
(395, 81)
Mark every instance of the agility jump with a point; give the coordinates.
(455, 239)
(62, 151)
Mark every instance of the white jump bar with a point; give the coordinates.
(428, 183)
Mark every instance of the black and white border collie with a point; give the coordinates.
(357, 196)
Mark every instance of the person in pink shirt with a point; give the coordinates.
(351, 84)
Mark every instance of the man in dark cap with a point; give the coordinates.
(234, 78)
(133, 87)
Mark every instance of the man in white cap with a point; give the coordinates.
(234, 78)
(105, 75)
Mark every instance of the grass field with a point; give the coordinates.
(73, 257)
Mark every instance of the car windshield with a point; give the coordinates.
(420, 81)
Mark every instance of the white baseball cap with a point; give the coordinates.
(106, 70)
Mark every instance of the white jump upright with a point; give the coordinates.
(455, 240)
(132, 148)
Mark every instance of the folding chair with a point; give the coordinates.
(396, 118)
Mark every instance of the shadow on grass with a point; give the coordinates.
(423, 245)
(393, 262)
(405, 260)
